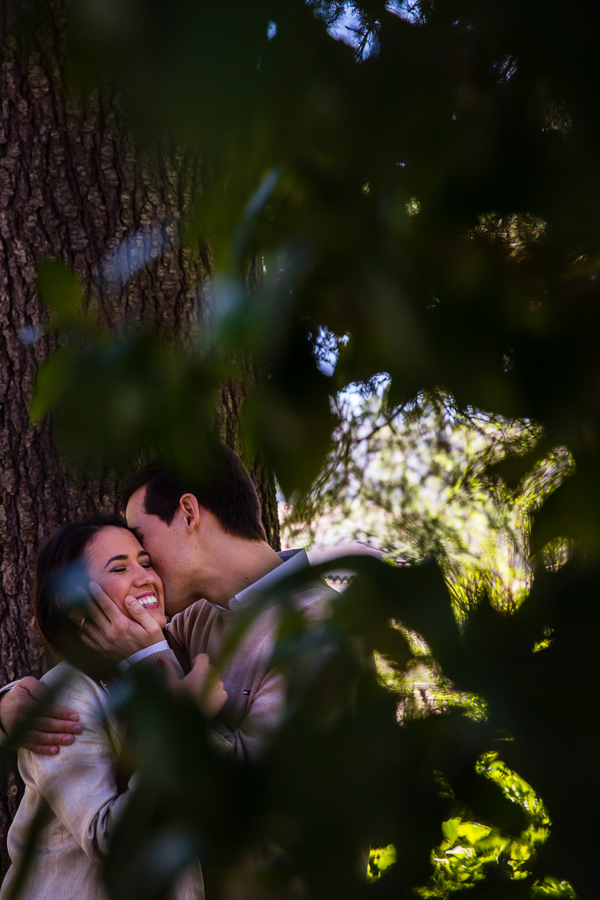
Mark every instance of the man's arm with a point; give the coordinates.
(202, 685)
(266, 704)
(264, 715)
(50, 727)
(108, 632)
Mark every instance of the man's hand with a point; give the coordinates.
(52, 725)
(112, 634)
(203, 685)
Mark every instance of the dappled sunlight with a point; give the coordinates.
(421, 480)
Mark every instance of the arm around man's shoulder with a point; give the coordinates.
(28, 703)
(72, 688)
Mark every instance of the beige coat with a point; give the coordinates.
(80, 788)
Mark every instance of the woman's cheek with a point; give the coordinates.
(116, 590)
(104, 583)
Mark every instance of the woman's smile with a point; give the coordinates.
(148, 601)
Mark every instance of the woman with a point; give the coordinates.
(79, 788)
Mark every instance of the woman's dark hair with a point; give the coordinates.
(60, 575)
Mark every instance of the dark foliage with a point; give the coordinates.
(429, 188)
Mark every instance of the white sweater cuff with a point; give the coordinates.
(142, 654)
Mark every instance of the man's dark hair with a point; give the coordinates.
(223, 487)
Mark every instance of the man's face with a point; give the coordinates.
(167, 547)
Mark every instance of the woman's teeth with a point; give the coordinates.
(148, 601)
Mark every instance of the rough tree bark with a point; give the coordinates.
(231, 399)
(72, 187)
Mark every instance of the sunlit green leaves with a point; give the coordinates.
(380, 860)
(469, 848)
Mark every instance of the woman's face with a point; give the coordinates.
(118, 562)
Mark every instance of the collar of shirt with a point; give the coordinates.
(291, 564)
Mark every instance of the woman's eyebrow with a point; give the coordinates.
(143, 553)
(113, 558)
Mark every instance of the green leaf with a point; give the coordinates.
(61, 290)
(53, 380)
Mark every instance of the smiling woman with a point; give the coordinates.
(120, 565)
(61, 579)
(102, 549)
(80, 794)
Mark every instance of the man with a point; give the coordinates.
(207, 542)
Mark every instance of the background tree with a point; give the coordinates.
(74, 187)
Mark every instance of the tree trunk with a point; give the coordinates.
(231, 399)
(72, 187)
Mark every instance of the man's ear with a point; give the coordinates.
(190, 512)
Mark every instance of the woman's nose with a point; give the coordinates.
(144, 576)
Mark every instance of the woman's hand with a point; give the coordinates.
(48, 726)
(112, 634)
(203, 685)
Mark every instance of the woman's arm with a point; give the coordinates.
(80, 784)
